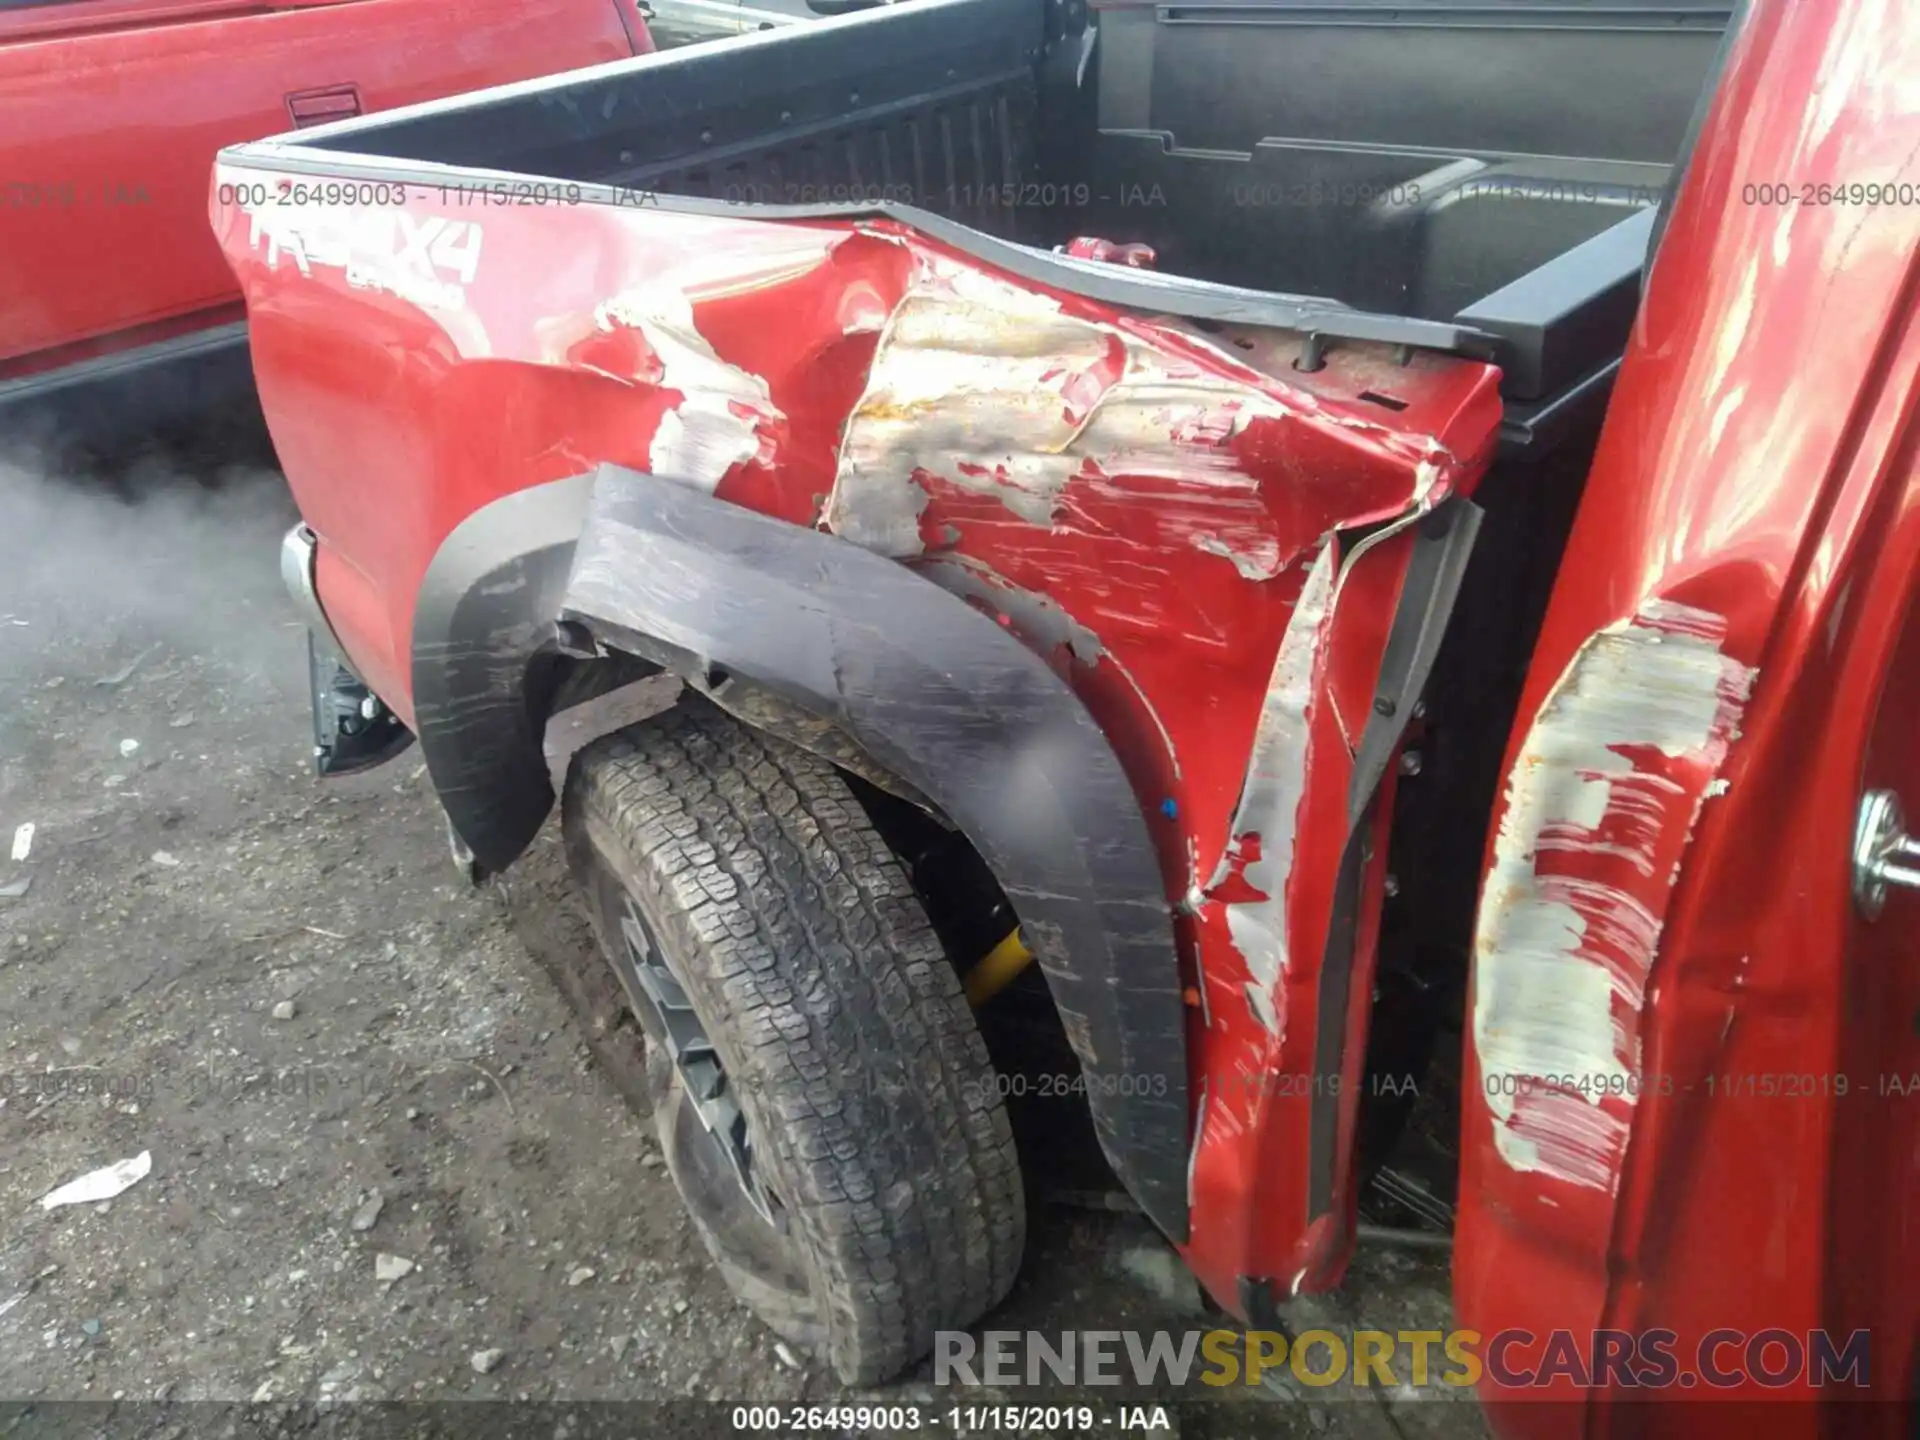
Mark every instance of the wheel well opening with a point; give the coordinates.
(1040, 1077)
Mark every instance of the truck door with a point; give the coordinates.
(1874, 1254)
(115, 109)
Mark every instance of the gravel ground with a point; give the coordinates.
(385, 1164)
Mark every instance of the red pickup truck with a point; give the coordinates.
(1448, 617)
(115, 304)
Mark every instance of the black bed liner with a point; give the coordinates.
(1473, 177)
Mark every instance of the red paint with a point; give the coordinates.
(1089, 247)
(1757, 464)
(393, 426)
(115, 109)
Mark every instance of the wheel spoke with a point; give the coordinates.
(658, 998)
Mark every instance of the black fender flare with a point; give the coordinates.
(933, 690)
(485, 654)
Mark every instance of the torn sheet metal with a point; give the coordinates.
(1141, 497)
(1265, 821)
(997, 390)
(724, 415)
(1618, 758)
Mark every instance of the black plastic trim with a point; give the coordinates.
(485, 652)
(950, 702)
(1696, 123)
(1558, 316)
(1442, 547)
(1660, 16)
(1529, 429)
(129, 391)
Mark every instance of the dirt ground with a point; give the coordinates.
(335, 1051)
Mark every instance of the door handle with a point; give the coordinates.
(1884, 855)
(318, 107)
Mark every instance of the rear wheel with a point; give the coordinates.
(822, 1095)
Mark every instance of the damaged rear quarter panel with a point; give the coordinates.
(1161, 494)
(1142, 500)
(1174, 528)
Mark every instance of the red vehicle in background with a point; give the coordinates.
(115, 304)
(1444, 606)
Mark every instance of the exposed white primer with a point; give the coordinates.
(1425, 476)
(1199, 1134)
(1258, 560)
(994, 389)
(716, 426)
(1562, 959)
(1270, 798)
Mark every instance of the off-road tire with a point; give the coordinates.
(847, 1042)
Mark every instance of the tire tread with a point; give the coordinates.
(843, 1012)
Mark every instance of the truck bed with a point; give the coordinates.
(1481, 178)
